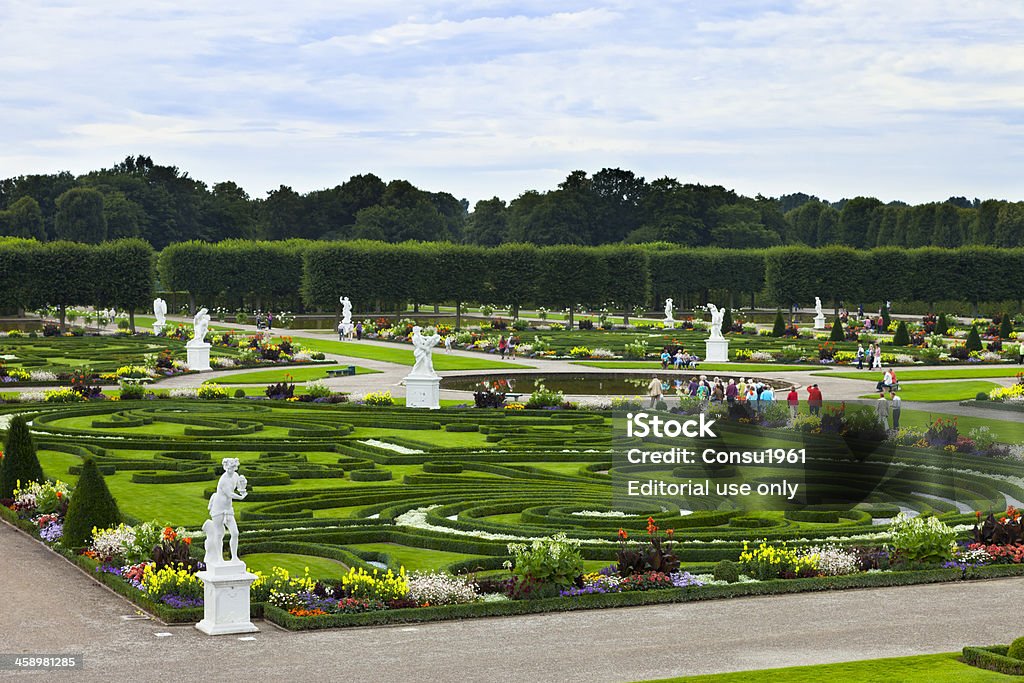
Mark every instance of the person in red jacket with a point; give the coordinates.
(793, 399)
(814, 399)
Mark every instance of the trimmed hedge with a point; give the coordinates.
(370, 475)
(993, 658)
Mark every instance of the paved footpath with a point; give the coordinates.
(50, 607)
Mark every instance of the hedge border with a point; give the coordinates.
(993, 658)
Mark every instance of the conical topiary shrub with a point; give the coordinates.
(1006, 327)
(942, 324)
(902, 336)
(973, 340)
(91, 506)
(20, 463)
(727, 321)
(779, 330)
(838, 334)
(885, 317)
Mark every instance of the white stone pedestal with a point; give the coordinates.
(819, 322)
(716, 350)
(423, 392)
(670, 323)
(198, 356)
(226, 599)
(158, 328)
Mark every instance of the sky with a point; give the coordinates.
(916, 100)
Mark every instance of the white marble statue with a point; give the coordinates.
(422, 349)
(817, 306)
(231, 486)
(200, 325)
(346, 311)
(717, 317)
(668, 309)
(160, 311)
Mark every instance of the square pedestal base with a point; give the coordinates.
(423, 392)
(158, 329)
(670, 323)
(819, 322)
(226, 600)
(198, 356)
(716, 351)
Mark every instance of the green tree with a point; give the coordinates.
(837, 334)
(902, 335)
(129, 276)
(20, 464)
(91, 506)
(1009, 227)
(973, 342)
(488, 224)
(23, 219)
(779, 328)
(941, 324)
(1006, 326)
(80, 216)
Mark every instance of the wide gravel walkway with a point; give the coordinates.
(50, 607)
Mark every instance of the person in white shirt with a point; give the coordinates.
(882, 411)
(897, 405)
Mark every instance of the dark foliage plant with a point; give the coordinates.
(91, 505)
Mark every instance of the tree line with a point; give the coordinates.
(311, 275)
(163, 205)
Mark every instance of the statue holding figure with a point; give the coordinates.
(160, 311)
(422, 349)
(346, 311)
(717, 318)
(230, 487)
(200, 325)
(817, 306)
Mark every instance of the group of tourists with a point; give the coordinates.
(870, 357)
(681, 359)
(888, 412)
(754, 392)
(264, 321)
(507, 347)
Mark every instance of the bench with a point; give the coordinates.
(513, 396)
(342, 372)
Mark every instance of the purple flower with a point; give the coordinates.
(684, 579)
(52, 532)
(179, 602)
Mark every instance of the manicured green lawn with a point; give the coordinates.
(319, 567)
(941, 391)
(299, 374)
(402, 355)
(956, 372)
(919, 669)
(415, 559)
(715, 367)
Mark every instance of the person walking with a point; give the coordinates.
(882, 410)
(448, 343)
(860, 356)
(654, 391)
(897, 406)
(270, 321)
(359, 331)
(878, 357)
(793, 399)
(502, 346)
(814, 399)
(512, 341)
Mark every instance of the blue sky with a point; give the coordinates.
(915, 100)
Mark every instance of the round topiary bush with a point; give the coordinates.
(371, 475)
(727, 570)
(1016, 650)
(239, 393)
(981, 396)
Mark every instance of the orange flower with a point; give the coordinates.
(188, 541)
(670, 532)
(651, 526)
(169, 534)
(623, 535)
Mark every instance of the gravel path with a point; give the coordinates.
(50, 607)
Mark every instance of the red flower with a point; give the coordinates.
(623, 535)
(651, 527)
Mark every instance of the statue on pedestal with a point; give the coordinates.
(717, 318)
(160, 311)
(230, 487)
(422, 350)
(817, 306)
(200, 325)
(346, 311)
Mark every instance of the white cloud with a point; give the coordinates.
(914, 100)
